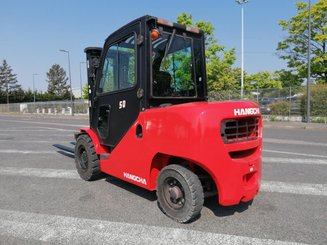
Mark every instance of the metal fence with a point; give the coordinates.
(48, 107)
(265, 98)
(283, 104)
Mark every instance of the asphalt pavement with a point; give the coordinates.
(43, 200)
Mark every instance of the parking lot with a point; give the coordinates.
(44, 200)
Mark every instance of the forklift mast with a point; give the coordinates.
(93, 62)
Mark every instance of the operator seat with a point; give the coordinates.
(161, 83)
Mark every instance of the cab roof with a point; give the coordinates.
(158, 20)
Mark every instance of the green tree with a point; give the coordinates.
(9, 86)
(294, 47)
(57, 82)
(264, 80)
(220, 73)
(29, 95)
(289, 78)
(85, 91)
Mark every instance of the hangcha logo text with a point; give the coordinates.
(134, 178)
(246, 111)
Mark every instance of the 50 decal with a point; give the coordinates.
(122, 104)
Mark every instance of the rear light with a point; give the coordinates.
(192, 29)
(238, 130)
(165, 22)
(171, 24)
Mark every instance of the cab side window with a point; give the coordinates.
(119, 66)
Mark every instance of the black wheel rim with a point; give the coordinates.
(83, 159)
(173, 193)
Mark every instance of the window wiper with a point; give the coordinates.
(169, 44)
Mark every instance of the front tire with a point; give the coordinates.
(180, 193)
(86, 160)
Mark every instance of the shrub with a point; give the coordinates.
(318, 101)
(280, 108)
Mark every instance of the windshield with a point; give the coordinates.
(172, 66)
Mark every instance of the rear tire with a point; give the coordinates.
(86, 159)
(180, 193)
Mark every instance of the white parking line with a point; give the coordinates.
(40, 172)
(293, 160)
(294, 188)
(46, 123)
(36, 128)
(27, 152)
(25, 130)
(69, 230)
(266, 186)
(292, 142)
(295, 153)
(33, 142)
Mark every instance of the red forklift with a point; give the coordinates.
(151, 123)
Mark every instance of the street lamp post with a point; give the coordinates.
(80, 77)
(309, 63)
(70, 81)
(242, 2)
(34, 74)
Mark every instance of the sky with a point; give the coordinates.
(33, 31)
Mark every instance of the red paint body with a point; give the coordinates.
(190, 131)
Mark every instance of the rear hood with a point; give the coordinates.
(230, 109)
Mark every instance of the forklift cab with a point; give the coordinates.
(146, 64)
